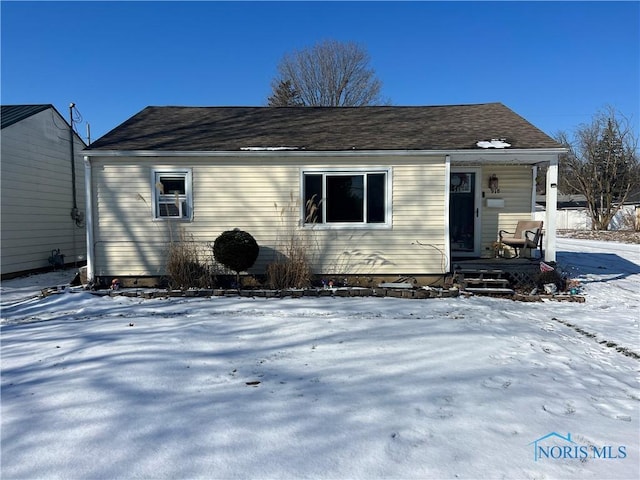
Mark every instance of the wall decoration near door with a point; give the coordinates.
(461, 182)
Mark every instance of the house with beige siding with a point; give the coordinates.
(380, 191)
(42, 190)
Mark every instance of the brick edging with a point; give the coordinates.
(419, 293)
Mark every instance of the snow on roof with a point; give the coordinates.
(493, 143)
(268, 149)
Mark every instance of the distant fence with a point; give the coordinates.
(628, 218)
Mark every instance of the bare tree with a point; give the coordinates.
(601, 164)
(330, 74)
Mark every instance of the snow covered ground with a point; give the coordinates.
(331, 388)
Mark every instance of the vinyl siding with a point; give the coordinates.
(515, 189)
(37, 193)
(262, 197)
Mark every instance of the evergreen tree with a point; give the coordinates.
(285, 95)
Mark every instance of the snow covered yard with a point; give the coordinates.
(331, 388)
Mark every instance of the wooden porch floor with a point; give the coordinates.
(505, 264)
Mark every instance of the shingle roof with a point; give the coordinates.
(452, 127)
(11, 114)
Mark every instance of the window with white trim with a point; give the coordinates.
(172, 194)
(346, 198)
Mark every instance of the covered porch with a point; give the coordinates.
(493, 191)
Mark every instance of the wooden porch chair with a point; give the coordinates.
(528, 234)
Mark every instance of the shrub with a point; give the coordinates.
(185, 267)
(292, 270)
(291, 267)
(236, 250)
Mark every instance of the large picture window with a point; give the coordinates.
(172, 194)
(349, 198)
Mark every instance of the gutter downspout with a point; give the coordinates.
(73, 164)
(534, 185)
(551, 211)
(89, 219)
(447, 235)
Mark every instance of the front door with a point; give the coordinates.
(464, 212)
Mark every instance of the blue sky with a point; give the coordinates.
(554, 63)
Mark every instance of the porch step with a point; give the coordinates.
(490, 291)
(481, 272)
(487, 281)
(483, 281)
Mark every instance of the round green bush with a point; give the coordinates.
(236, 250)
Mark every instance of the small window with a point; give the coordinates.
(172, 194)
(347, 198)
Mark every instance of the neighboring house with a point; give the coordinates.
(403, 190)
(38, 191)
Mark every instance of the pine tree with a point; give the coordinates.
(285, 95)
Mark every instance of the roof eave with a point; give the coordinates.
(321, 153)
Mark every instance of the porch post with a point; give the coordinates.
(550, 211)
(89, 218)
(447, 187)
